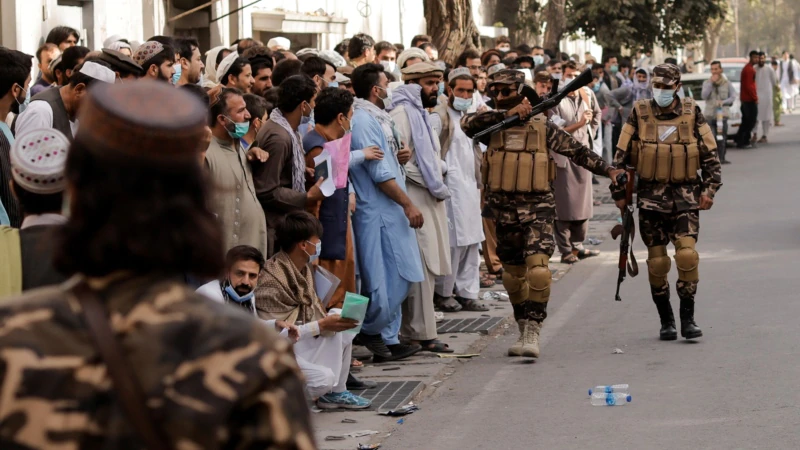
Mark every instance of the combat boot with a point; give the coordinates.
(516, 349)
(668, 331)
(689, 329)
(530, 339)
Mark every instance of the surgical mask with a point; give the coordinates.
(614, 68)
(663, 97)
(504, 48)
(306, 118)
(556, 76)
(387, 101)
(238, 298)
(441, 88)
(389, 66)
(239, 129)
(596, 87)
(19, 106)
(563, 84)
(177, 75)
(538, 60)
(349, 129)
(317, 251)
(333, 84)
(462, 104)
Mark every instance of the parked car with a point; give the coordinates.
(693, 87)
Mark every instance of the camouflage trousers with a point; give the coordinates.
(659, 229)
(524, 225)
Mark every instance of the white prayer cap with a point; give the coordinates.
(411, 53)
(224, 67)
(98, 72)
(340, 78)
(306, 51)
(111, 39)
(279, 43)
(457, 73)
(38, 159)
(119, 45)
(332, 57)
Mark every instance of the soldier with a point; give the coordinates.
(174, 370)
(518, 172)
(668, 141)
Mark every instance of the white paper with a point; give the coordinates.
(325, 283)
(328, 186)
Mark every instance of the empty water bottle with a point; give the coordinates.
(616, 388)
(610, 399)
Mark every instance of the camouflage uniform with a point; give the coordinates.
(524, 221)
(214, 377)
(669, 212)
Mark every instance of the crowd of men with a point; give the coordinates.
(100, 148)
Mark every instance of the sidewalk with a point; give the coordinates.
(422, 375)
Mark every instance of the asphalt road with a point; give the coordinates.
(736, 387)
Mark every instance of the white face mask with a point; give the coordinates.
(389, 66)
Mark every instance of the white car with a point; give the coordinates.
(693, 87)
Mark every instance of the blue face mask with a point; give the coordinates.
(239, 129)
(20, 106)
(239, 298)
(462, 104)
(663, 97)
(177, 75)
(318, 250)
(614, 68)
(538, 60)
(333, 84)
(596, 87)
(441, 88)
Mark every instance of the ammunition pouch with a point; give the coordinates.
(668, 151)
(658, 265)
(687, 259)
(538, 277)
(517, 160)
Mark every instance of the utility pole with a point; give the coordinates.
(736, 25)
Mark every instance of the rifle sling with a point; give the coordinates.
(126, 386)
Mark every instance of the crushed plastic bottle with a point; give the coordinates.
(615, 388)
(610, 399)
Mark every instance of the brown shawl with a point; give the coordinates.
(285, 293)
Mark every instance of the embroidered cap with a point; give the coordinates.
(460, 72)
(147, 51)
(38, 159)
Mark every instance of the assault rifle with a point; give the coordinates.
(627, 230)
(539, 105)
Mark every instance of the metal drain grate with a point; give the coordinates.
(391, 395)
(483, 325)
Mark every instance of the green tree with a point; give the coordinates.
(643, 23)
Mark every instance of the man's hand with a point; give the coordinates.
(336, 323)
(414, 216)
(715, 78)
(482, 109)
(352, 202)
(614, 173)
(257, 154)
(706, 202)
(294, 332)
(523, 110)
(373, 153)
(315, 193)
(404, 155)
(310, 171)
(587, 116)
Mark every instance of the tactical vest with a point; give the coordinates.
(667, 150)
(517, 160)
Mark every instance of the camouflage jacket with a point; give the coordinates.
(669, 197)
(214, 377)
(558, 141)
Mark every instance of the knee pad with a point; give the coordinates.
(538, 277)
(515, 283)
(687, 259)
(658, 265)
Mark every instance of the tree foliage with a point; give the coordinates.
(643, 23)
